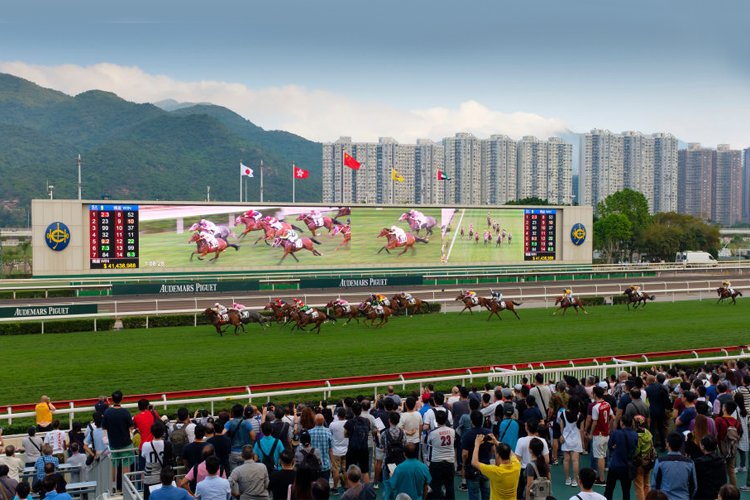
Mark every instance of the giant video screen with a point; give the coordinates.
(161, 237)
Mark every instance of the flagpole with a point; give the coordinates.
(240, 181)
(343, 152)
(261, 180)
(393, 174)
(294, 178)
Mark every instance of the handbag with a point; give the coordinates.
(90, 458)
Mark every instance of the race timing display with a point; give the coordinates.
(113, 236)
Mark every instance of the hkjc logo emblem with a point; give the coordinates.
(578, 234)
(57, 236)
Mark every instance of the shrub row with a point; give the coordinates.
(592, 301)
(61, 326)
(37, 294)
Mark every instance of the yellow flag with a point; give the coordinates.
(397, 176)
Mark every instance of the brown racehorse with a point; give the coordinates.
(233, 318)
(724, 294)
(371, 313)
(204, 249)
(280, 313)
(394, 243)
(468, 304)
(270, 233)
(290, 248)
(304, 319)
(346, 231)
(566, 303)
(340, 312)
(633, 297)
(328, 223)
(343, 212)
(494, 307)
(399, 304)
(250, 225)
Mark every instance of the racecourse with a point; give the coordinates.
(169, 359)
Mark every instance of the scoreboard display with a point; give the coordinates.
(539, 234)
(113, 236)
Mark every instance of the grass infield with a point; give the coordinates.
(81, 365)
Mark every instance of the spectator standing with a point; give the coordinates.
(559, 401)
(143, 422)
(240, 432)
(340, 448)
(44, 411)
(523, 452)
(477, 483)
(322, 440)
(77, 458)
(118, 426)
(95, 444)
(75, 435)
(213, 487)
(542, 394)
(411, 476)
(586, 479)
(442, 457)
(32, 446)
(658, 402)
(710, 469)
(741, 415)
(637, 406)
(250, 480)
(395, 397)
(357, 489)
(15, 465)
(199, 471)
(308, 455)
(216, 437)
(411, 421)
(156, 454)
(102, 405)
(682, 423)
(728, 433)
(570, 437)
(508, 428)
(58, 440)
(674, 473)
(393, 443)
(537, 467)
(168, 491)
(192, 454)
(357, 429)
(269, 446)
(601, 424)
(644, 455)
(622, 446)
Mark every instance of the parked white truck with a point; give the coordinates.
(692, 258)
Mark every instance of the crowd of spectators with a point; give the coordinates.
(661, 433)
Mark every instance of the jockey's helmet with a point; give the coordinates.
(217, 305)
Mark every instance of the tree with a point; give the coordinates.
(612, 234)
(632, 205)
(532, 200)
(672, 232)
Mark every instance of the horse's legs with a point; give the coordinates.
(295, 257)
(286, 251)
(316, 253)
(218, 251)
(405, 249)
(514, 312)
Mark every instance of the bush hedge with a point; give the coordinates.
(60, 326)
(620, 299)
(37, 294)
(592, 301)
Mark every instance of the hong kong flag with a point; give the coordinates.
(300, 173)
(351, 162)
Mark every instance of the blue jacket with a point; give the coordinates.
(674, 474)
(622, 445)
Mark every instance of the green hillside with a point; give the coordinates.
(137, 151)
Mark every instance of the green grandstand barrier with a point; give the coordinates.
(186, 287)
(372, 281)
(46, 310)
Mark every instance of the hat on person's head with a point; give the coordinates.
(425, 396)
(508, 409)
(164, 418)
(640, 420)
(507, 392)
(604, 385)
(304, 438)
(249, 411)
(517, 387)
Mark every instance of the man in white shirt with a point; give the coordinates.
(522, 447)
(436, 405)
(586, 478)
(442, 455)
(58, 440)
(340, 447)
(453, 397)
(15, 464)
(542, 393)
(156, 454)
(411, 421)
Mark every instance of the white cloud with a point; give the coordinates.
(314, 114)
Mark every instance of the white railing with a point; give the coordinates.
(496, 374)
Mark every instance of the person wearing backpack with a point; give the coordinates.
(537, 473)
(710, 469)
(268, 449)
(240, 431)
(728, 431)
(645, 457)
(393, 443)
(357, 429)
(308, 455)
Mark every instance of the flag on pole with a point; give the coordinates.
(300, 173)
(351, 162)
(442, 176)
(396, 176)
(246, 171)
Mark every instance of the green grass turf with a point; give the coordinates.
(78, 365)
(174, 251)
(469, 250)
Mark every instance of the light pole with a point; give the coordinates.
(50, 187)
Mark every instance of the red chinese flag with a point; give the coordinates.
(351, 162)
(300, 173)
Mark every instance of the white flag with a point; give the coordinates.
(246, 170)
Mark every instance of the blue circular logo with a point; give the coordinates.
(578, 234)
(57, 236)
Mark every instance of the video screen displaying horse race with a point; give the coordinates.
(204, 236)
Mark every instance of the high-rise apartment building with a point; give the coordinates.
(695, 181)
(463, 164)
(638, 164)
(746, 185)
(665, 173)
(545, 170)
(727, 185)
(601, 166)
(428, 160)
(499, 170)
(559, 171)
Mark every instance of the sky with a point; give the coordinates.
(406, 69)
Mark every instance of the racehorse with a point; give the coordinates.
(343, 212)
(204, 248)
(468, 303)
(270, 233)
(416, 305)
(415, 226)
(494, 307)
(394, 243)
(724, 294)
(633, 297)
(279, 312)
(304, 319)
(232, 318)
(250, 225)
(565, 303)
(220, 232)
(247, 316)
(328, 223)
(339, 311)
(347, 235)
(371, 313)
(291, 248)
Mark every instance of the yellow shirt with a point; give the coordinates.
(503, 479)
(43, 414)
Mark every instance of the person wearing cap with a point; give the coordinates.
(641, 481)
(305, 447)
(507, 430)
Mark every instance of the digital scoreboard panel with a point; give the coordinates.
(113, 236)
(539, 234)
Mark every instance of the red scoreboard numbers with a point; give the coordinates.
(113, 236)
(539, 227)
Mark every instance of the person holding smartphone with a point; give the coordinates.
(44, 411)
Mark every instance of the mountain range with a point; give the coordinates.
(167, 151)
